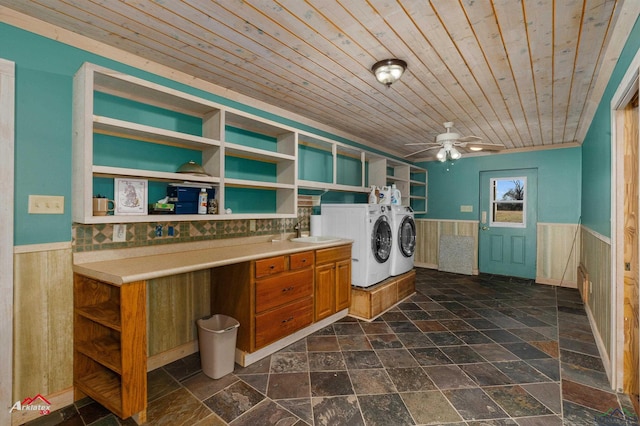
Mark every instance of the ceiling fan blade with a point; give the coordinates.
(469, 138)
(423, 143)
(422, 150)
(485, 146)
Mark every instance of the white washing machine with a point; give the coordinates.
(369, 226)
(403, 228)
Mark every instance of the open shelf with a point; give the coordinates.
(109, 346)
(105, 313)
(104, 350)
(237, 149)
(103, 386)
(125, 129)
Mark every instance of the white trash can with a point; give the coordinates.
(217, 339)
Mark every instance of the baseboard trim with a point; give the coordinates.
(245, 358)
(174, 354)
(602, 349)
(556, 282)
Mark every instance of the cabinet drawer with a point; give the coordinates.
(333, 254)
(300, 260)
(275, 291)
(279, 323)
(266, 267)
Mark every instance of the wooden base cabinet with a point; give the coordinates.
(332, 281)
(110, 346)
(271, 298)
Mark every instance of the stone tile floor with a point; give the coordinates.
(482, 350)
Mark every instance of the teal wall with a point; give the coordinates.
(596, 148)
(44, 90)
(451, 185)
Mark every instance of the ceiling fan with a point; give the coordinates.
(448, 141)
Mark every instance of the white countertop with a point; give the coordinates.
(129, 265)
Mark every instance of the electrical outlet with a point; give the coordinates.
(119, 233)
(46, 204)
(252, 225)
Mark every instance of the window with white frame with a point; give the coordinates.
(508, 202)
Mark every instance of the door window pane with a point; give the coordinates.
(508, 201)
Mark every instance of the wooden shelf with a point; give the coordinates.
(105, 313)
(241, 183)
(308, 184)
(108, 171)
(256, 153)
(137, 89)
(109, 344)
(125, 129)
(103, 386)
(105, 350)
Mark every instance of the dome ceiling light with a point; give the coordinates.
(388, 71)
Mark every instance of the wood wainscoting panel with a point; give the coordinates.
(595, 255)
(558, 254)
(174, 305)
(43, 322)
(427, 238)
(428, 232)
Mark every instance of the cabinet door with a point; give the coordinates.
(343, 284)
(324, 293)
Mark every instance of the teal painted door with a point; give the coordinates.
(508, 218)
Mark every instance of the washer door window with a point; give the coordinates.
(407, 237)
(381, 240)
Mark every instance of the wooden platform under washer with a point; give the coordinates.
(368, 303)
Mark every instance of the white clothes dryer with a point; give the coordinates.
(369, 226)
(403, 229)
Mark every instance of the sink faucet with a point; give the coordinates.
(298, 230)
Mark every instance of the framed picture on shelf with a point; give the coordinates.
(130, 196)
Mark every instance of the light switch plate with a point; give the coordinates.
(466, 209)
(46, 204)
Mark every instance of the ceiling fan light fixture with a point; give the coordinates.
(442, 155)
(388, 71)
(475, 148)
(454, 153)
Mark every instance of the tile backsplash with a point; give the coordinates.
(99, 236)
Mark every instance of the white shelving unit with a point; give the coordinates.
(409, 179)
(270, 146)
(92, 79)
(335, 153)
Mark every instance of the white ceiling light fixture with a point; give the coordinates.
(388, 71)
(448, 151)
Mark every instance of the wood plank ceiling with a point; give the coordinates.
(516, 72)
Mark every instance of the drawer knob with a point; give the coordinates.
(287, 289)
(272, 266)
(284, 321)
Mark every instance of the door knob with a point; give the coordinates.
(485, 228)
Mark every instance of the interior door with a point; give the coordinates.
(508, 218)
